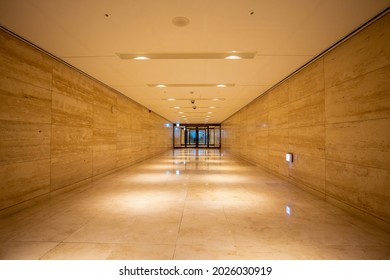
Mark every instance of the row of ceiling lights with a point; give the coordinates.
(192, 100)
(182, 22)
(184, 117)
(223, 55)
(194, 107)
(146, 57)
(232, 55)
(191, 85)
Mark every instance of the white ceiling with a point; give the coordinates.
(285, 34)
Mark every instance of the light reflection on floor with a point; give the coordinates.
(189, 204)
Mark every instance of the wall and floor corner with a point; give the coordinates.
(60, 129)
(334, 116)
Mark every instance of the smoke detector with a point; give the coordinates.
(180, 21)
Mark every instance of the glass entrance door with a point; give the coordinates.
(196, 136)
(214, 136)
(203, 137)
(192, 137)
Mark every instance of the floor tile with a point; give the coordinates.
(16, 250)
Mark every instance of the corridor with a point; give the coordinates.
(189, 204)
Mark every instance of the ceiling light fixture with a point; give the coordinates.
(233, 57)
(215, 99)
(141, 58)
(190, 85)
(171, 99)
(211, 107)
(176, 107)
(205, 55)
(188, 99)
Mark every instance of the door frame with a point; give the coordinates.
(196, 127)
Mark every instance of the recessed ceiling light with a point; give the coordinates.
(209, 112)
(176, 107)
(204, 55)
(190, 85)
(141, 58)
(211, 107)
(221, 86)
(215, 99)
(180, 112)
(233, 57)
(171, 99)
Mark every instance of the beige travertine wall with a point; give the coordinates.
(334, 116)
(59, 128)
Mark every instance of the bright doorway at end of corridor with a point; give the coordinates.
(197, 136)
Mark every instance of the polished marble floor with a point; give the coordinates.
(189, 204)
